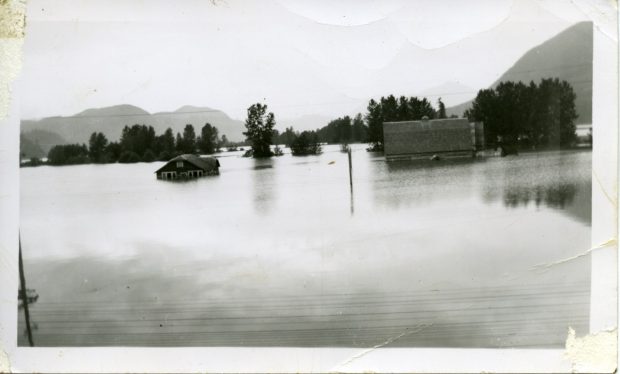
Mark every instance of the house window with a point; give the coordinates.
(179, 164)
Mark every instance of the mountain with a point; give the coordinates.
(111, 120)
(451, 93)
(29, 149)
(37, 143)
(117, 110)
(567, 56)
(305, 122)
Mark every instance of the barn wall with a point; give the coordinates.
(434, 136)
(479, 135)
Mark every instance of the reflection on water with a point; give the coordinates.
(279, 252)
(264, 185)
(554, 196)
(560, 181)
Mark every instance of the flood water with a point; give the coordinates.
(279, 252)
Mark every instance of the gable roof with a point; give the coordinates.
(204, 163)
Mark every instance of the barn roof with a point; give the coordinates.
(204, 163)
(423, 125)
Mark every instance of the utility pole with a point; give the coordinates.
(350, 177)
(350, 170)
(24, 296)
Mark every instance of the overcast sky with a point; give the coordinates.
(299, 57)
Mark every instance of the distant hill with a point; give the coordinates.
(451, 93)
(37, 143)
(29, 149)
(303, 123)
(111, 120)
(567, 56)
(117, 110)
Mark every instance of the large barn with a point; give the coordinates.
(188, 166)
(449, 137)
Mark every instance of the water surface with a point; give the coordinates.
(279, 253)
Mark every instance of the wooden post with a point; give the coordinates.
(350, 170)
(22, 281)
(351, 178)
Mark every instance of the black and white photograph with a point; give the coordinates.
(354, 176)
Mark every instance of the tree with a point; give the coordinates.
(128, 157)
(187, 142)
(68, 154)
(358, 129)
(527, 115)
(374, 119)
(275, 136)
(96, 147)
(390, 109)
(178, 143)
(288, 136)
(402, 109)
(208, 141)
(419, 109)
(149, 156)
(306, 144)
(137, 139)
(563, 132)
(223, 142)
(113, 152)
(259, 130)
(336, 131)
(441, 113)
(484, 109)
(165, 145)
(345, 131)
(189, 138)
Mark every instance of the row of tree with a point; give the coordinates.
(536, 115)
(261, 135)
(342, 130)
(139, 143)
(531, 115)
(260, 132)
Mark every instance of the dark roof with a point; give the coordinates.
(440, 123)
(204, 163)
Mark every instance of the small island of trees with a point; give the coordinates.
(139, 143)
(260, 133)
(529, 116)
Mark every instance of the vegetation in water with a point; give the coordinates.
(531, 116)
(306, 143)
(259, 130)
(514, 115)
(70, 154)
(344, 130)
(138, 143)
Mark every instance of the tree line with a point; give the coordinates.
(139, 143)
(344, 130)
(530, 116)
(261, 135)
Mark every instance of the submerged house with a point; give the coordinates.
(189, 166)
(448, 137)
